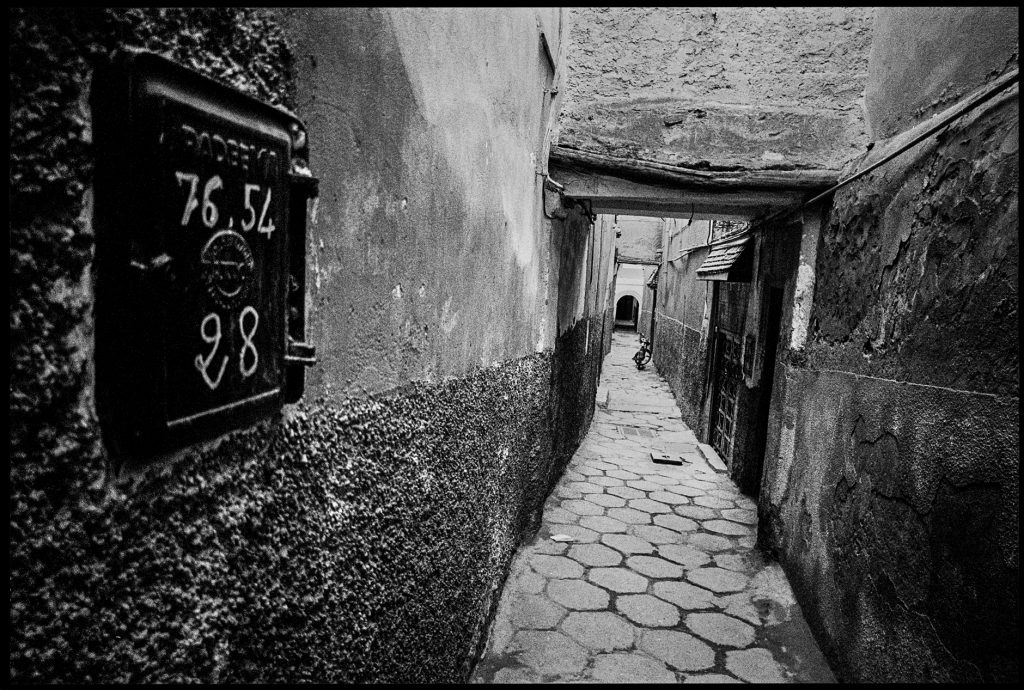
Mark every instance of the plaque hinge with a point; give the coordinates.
(300, 353)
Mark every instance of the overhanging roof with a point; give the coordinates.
(728, 260)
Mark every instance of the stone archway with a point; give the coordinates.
(627, 311)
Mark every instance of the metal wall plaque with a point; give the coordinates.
(200, 196)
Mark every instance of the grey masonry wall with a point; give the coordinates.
(891, 485)
(363, 533)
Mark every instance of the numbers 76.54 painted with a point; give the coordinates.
(210, 214)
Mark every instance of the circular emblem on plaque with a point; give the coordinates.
(227, 268)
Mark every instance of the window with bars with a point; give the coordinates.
(724, 425)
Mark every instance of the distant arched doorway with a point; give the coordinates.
(626, 312)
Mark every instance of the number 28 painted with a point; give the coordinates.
(248, 356)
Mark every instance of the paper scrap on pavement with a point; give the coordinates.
(663, 459)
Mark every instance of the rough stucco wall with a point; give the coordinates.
(891, 487)
(914, 74)
(720, 87)
(918, 264)
(62, 574)
(358, 542)
(576, 246)
(613, 280)
(51, 233)
(680, 358)
(354, 538)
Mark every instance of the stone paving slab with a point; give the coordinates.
(653, 577)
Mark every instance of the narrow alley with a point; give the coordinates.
(645, 572)
(323, 324)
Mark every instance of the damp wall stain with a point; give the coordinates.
(362, 534)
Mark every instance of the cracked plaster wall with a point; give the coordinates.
(894, 509)
(719, 87)
(891, 484)
(362, 534)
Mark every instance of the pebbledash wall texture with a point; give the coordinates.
(891, 486)
(362, 534)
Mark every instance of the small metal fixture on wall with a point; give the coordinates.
(748, 356)
(200, 215)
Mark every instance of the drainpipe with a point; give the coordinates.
(654, 307)
(653, 284)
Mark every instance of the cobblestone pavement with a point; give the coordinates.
(645, 572)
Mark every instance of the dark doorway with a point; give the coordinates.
(730, 418)
(728, 377)
(773, 319)
(626, 312)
